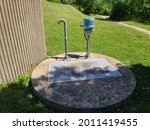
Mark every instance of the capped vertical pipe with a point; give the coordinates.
(88, 29)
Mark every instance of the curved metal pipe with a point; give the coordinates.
(65, 37)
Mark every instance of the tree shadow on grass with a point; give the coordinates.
(18, 97)
(140, 101)
(103, 19)
(109, 19)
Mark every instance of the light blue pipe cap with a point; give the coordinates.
(89, 23)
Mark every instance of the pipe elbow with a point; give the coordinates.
(61, 20)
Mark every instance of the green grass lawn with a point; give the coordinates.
(127, 45)
(141, 25)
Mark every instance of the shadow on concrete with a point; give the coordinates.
(69, 55)
(139, 102)
(80, 71)
(58, 93)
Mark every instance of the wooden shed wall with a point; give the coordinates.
(21, 37)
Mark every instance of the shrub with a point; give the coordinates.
(87, 5)
(131, 11)
(56, 1)
(67, 1)
(119, 11)
(143, 14)
(106, 10)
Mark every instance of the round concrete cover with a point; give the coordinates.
(88, 90)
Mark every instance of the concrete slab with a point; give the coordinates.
(91, 95)
(68, 71)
